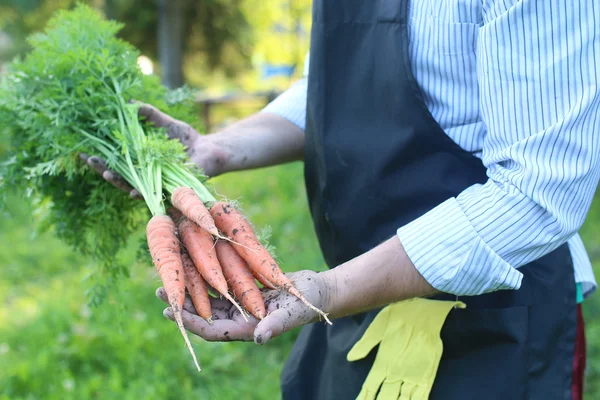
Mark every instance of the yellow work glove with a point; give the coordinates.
(410, 349)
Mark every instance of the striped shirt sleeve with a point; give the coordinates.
(291, 104)
(538, 74)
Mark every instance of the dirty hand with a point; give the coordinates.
(284, 312)
(200, 148)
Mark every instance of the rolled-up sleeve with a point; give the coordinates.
(540, 101)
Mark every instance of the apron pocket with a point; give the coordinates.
(495, 339)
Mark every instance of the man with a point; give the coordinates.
(451, 152)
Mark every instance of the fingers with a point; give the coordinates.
(284, 311)
(154, 115)
(175, 128)
(99, 165)
(281, 320)
(274, 324)
(117, 180)
(187, 305)
(220, 304)
(221, 309)
(218, 331)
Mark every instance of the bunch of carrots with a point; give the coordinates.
(195, 248)
(72, 94)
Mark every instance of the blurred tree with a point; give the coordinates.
(19, 18)
(170, 30)
(213, 34)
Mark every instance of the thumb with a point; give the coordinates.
(274, 324)
(154, 115)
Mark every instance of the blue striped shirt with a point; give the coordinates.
(516, 83)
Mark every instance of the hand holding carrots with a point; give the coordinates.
(284, 313)
(202, 150)
(199, 246)
(211, 245)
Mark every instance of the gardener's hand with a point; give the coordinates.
(284, 312)
(99, 165)
(201, 149)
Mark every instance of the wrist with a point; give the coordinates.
(329, 288)
(209, 154)
(381, 276)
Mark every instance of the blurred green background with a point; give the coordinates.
(238, 53)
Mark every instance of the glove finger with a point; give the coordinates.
(421, 392)
(407, 391)
(389, 390)
(367, 394)
(371, 338)
(373, 381)
(363, 347)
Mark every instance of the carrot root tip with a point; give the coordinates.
(299, 295)
(179, 322)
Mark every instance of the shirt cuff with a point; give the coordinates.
(450, 255)
(291, 104)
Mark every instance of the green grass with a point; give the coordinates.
(53, 347)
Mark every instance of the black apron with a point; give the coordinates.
(375, 159)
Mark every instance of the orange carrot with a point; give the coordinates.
(201, 248)
(264, 281)
(186, 201)
(235, 226)
(196, 286)
(240, 279)
(164, 249)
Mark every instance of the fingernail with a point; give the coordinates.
(168, 313)
(262, 339)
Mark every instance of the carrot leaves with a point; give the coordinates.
(72, 94)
